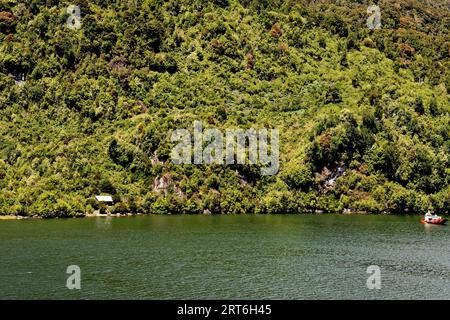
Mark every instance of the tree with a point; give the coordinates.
(298, 176)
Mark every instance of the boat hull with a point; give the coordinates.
(441, 221)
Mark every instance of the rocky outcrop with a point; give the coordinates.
(161, 184)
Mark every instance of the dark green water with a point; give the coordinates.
(229, 257)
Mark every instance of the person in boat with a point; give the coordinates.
(429, 216)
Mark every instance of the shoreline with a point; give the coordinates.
(97, 215)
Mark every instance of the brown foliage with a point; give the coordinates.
(283, 47)
(250, 61)
(276, 31)
(324, 141)
(217, 46)
(406, 50)
(9, 38)
(407, 22)
(7, 18)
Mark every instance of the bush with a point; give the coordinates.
(298, 176)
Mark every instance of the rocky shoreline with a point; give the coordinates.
(97, 214)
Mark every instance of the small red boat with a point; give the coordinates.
(433, 219)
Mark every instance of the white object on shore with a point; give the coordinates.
(104, 198)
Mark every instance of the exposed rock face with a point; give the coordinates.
(179, 192)
(162, 184)
(328, 177)
(165, 183)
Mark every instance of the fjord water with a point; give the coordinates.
(229, 257)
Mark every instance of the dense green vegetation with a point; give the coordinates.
(364, 115)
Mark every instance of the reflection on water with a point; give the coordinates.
(103, 223)
(212, 257)
(434, 228)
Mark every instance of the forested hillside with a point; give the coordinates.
(363, 115)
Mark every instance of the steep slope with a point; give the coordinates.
(363, 114)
